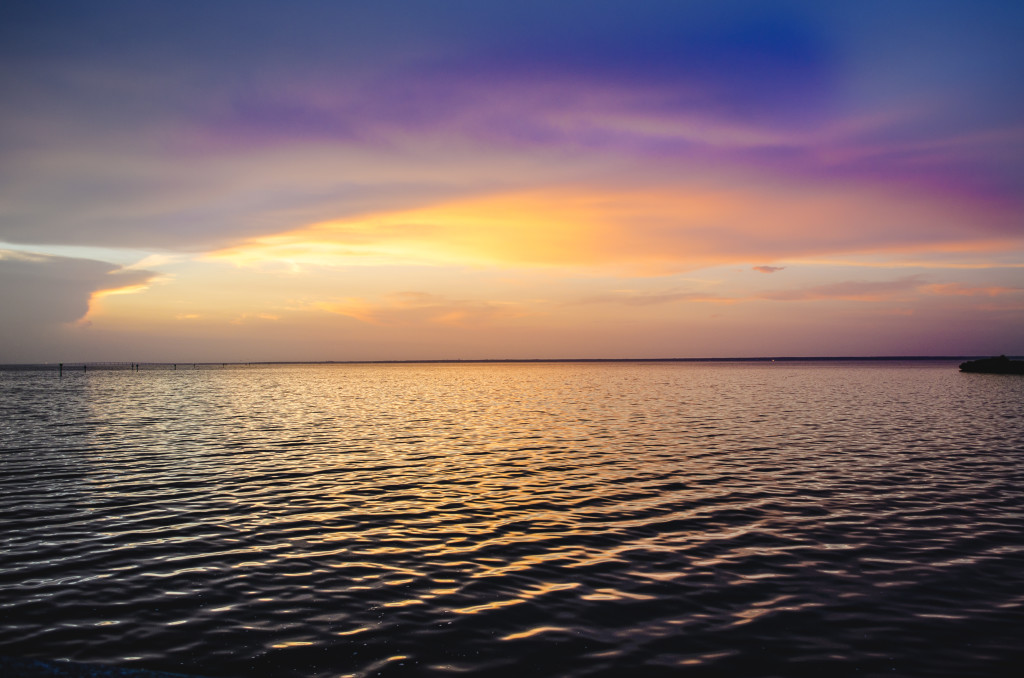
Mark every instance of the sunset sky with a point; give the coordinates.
(244, 181)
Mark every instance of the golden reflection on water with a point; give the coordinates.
(529, 633)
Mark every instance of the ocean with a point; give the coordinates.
(571, 519)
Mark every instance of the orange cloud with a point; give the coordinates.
(121, 281)
(647, 232)
(127, 289)
(418, 308)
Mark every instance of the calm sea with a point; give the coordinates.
(690, 519)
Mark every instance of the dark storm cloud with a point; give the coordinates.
(41, 292)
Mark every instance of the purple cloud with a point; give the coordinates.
(850, 290)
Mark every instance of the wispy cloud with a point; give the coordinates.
(638, 298)
(960, 290)
(852, 290)
(418, 308)
(250, 317)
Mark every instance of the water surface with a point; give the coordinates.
(743, 519)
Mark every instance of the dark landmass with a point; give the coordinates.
(1000, 365)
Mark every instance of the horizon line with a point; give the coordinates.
(432, 361)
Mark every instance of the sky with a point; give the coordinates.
(266, 181)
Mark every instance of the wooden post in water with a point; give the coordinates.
(60, 369)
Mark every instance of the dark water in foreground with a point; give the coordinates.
(521, 519)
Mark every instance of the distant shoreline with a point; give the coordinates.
(111, 365)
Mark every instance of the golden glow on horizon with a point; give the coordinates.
(646, 231)
(531, 229)
(650, 232)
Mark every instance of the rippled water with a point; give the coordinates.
(790, 519)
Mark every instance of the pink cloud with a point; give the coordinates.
(956, 289)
